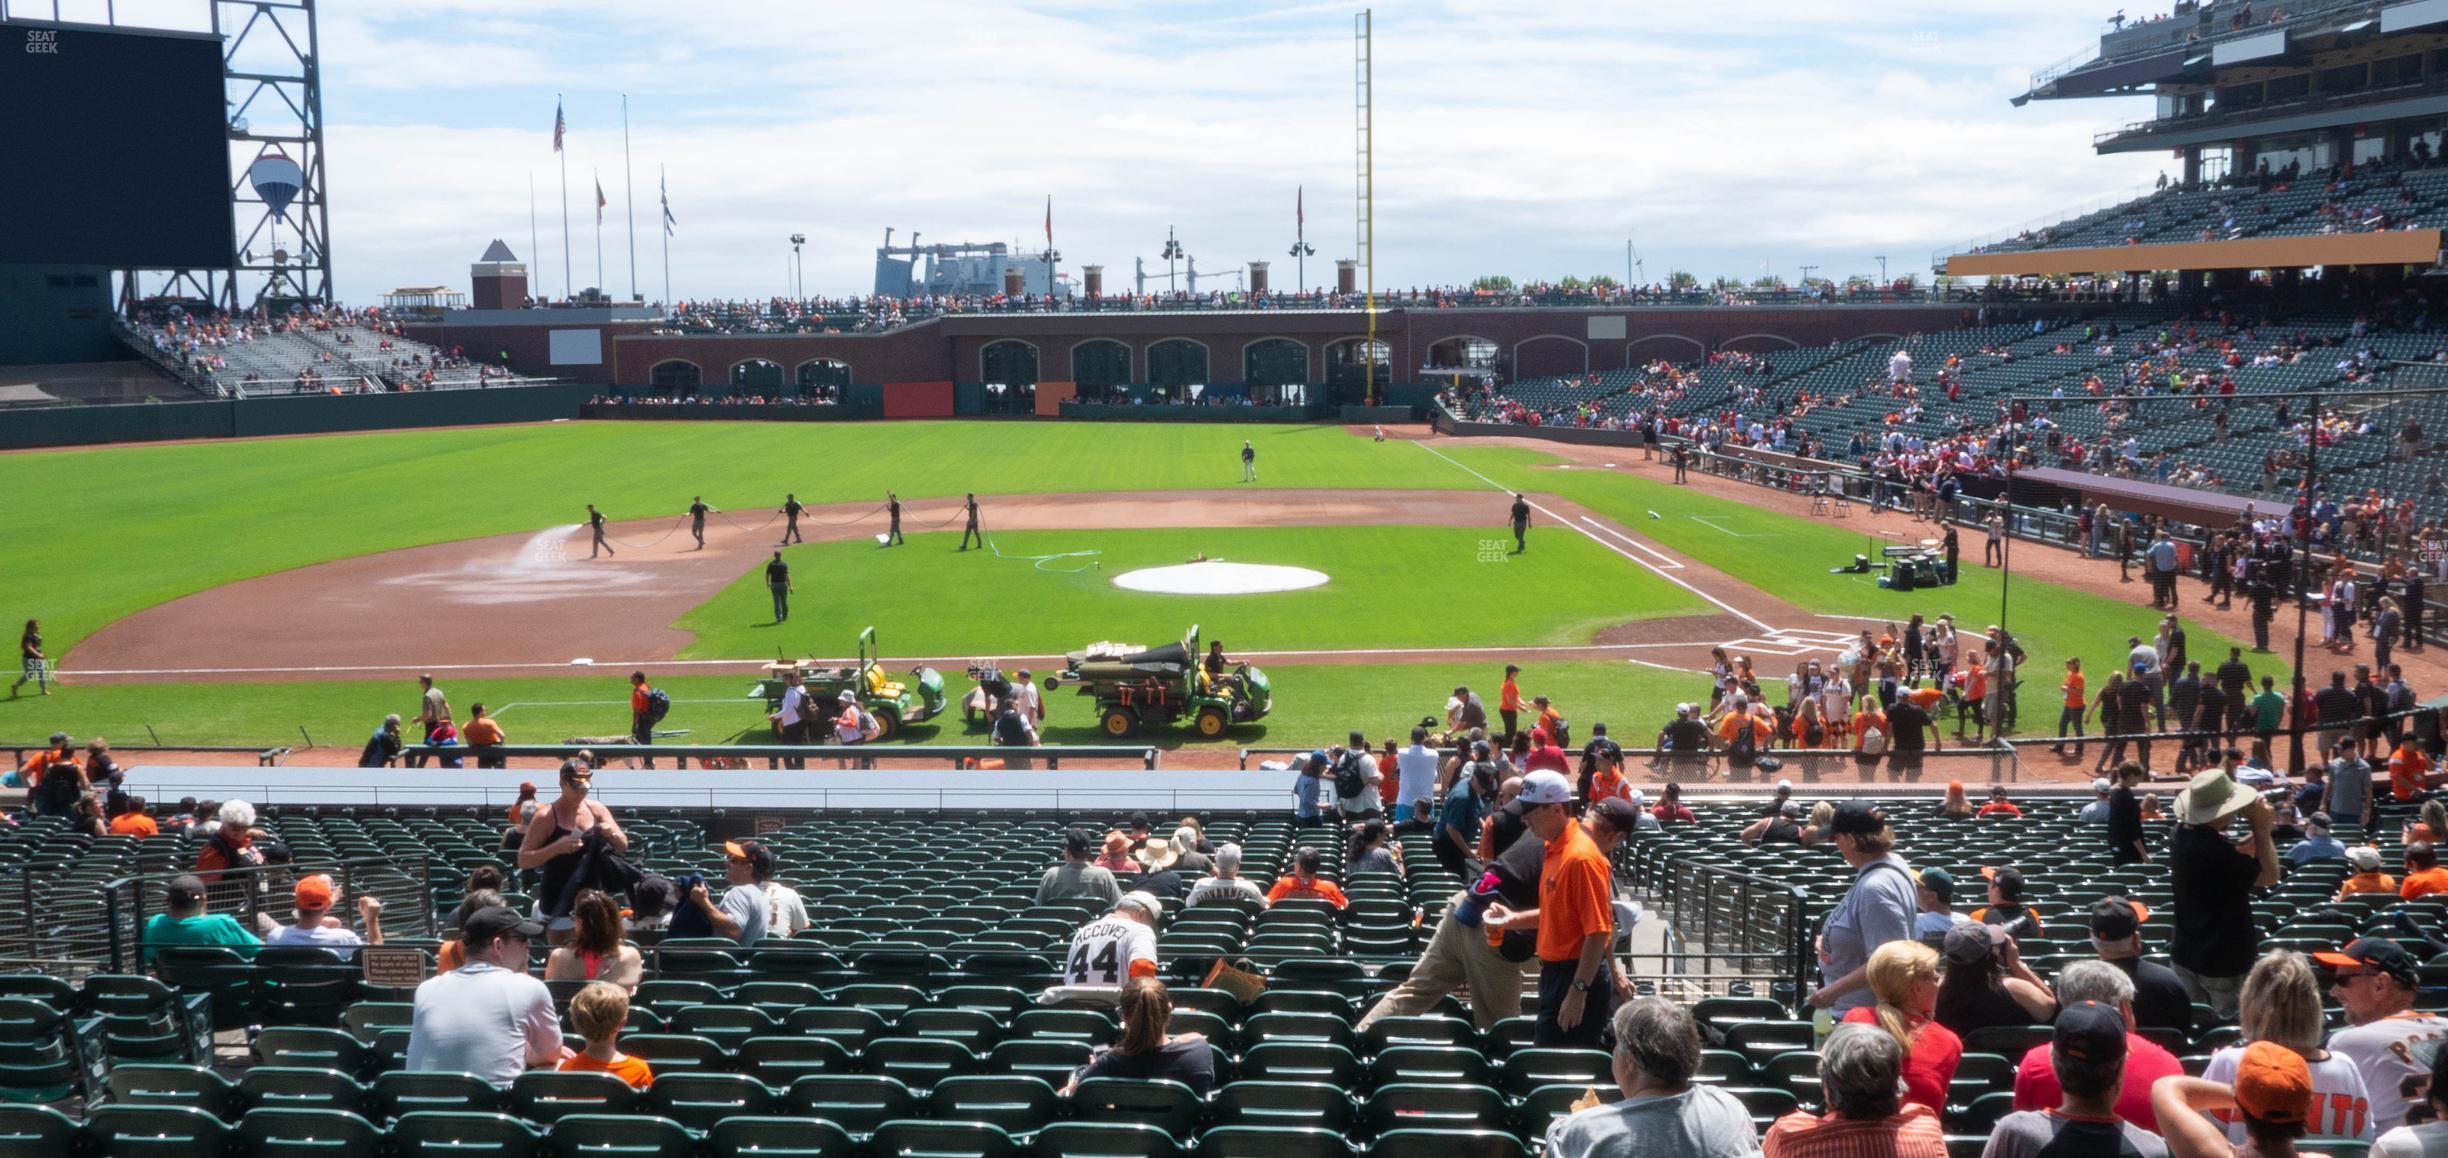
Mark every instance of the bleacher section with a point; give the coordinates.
(341, 357)
(2368, 201)
(906, 1018)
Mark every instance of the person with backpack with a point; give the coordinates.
(1871, 735)
(1745, 734)
(647, 707)
(1356, 778)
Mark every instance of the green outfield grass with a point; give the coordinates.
(1388, 586)
(1789, 557)
(101, 533)
(1314, 704)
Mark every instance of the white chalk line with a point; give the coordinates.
(1664, 560)
(1728, 608)
(1721, 530)
(504, 710)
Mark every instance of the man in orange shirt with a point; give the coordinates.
(128, 816)
(2423, 875)
(1509, 704)
(1303, 883)
(2075, 708)
(30, 773)
(1744, 734)
(1579, 979)
(485, 732)
(2409, 770)
(641, 702)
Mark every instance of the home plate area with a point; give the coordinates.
(1791, 644)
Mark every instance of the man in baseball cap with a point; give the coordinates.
(184, 922)
(1115, 947)
(2160, 1000)
(316, 894)
(2376, 981)
(1579, 980)
(488, 1017)
(2317, 843)
(2216, 940)
(2086, 1056)
(1937, 904)
(1880, 906)
(746, 912)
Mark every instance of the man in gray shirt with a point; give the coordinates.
(1075, 877)
(744, 911)
(1663, 1114)
(1878, 908)
(2349, 795)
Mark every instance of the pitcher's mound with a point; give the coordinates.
(1219, 578)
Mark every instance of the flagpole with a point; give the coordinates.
(535, 240)
(629, 195)
(663, 182)
(568, 287)
(599, 207)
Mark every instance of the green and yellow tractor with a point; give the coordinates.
(1135, 687)
(894, 703)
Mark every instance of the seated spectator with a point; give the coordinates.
(2000, 806)
(128, 816)
(1227, 881)
(2430, 825)
(1783, 828)
(2364, 860)
(1117, 946)
(2087, 1061)
(1303, 882)
(744, 914)
(1937, 914)
(1987, 984)
(650, 905)
(1145, 1050)
(2376, 983)
(453, 952)
(1861, 1067)
(1156, 874)
(1372, 852)
(231, 844)
(2271, 1097)
(2160, 1000)
(1670, 807)
(1190, 852)
(522, 815)
(316, 926)
(598, 1011)
(2429, 1137)
(184, 922)
(786, 913)
(1076, 876)
(596, 950)
(2006, 909)
(1957, 805)
(1663, 1112)
(2096, 812)
(1116, 857)
(486, 1017)
(2281, 1006)
(2317, 844)
(2423, 875)
(1904, 975)
(2102, 987)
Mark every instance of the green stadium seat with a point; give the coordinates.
(1273, 1142)
(27, 1129)
(1103, 1140)
(918, 1061)
(1413, 1142)
(287, 1132)
(1439, 1106)
(760, 1137)
(859, 1103)
(300, 1088)
(939, 1139)
(675, 1053)
(1167, 1105)
(149, 1131)
(697, 1101)
(1053, 1060)
(174, 1085)
(401, 1092)
(1018, 1103)
(1449, 1064)
(546, 1096)
(1265, 1103)
(450, 1134)
(141, 1017)
(311, 1048)
(853, 1028)
(620, 1136)
(1528, 1069)
(778, 1061)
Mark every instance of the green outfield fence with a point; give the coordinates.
(300, 414)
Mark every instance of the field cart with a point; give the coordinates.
(1158, 686)
(894, 703)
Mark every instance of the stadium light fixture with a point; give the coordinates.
(1172, 251)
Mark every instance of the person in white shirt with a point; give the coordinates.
(1117, 946)
(316, 926)
(1027, 697)
(2376, 982)
(743, 914)
(786, 913)
(793, 716)
(487, 1017)
(1227, 881)
(1415, 770)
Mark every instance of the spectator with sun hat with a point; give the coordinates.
(2212, 879)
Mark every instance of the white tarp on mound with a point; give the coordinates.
(1219, 578)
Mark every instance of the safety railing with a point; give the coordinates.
(1731, 932)
(76, 931)
(789, 755)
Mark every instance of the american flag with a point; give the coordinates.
(599, 201)
(560, 127)
(668, 219)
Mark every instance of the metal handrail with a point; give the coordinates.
(1148, 756)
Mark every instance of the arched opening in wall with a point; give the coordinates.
(823, 379)
(1270, 364)
(1010, 362)
(1465, 352)
(1097, 366)
(1175, 365)
(756, 376)
(1347, 368)
(675, 377)
(1759, 343)
(1550, 356)
(1664, 348)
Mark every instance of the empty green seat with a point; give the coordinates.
(620, 1136)
(455, 1134)
(762, 1137)
(939, 1139)
(697, 1101)
(287, 1132)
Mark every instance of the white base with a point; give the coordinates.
(1219, 578)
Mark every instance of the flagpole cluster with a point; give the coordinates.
(560, 130)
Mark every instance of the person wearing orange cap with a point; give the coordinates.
(316, 894)
(2272, 1093)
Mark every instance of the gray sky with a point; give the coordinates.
(1524, 139)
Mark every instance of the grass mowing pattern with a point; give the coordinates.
(114, 530)
(1388, 586)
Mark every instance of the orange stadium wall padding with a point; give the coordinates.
(2395, 247)
(1051, 396)
(918, 400)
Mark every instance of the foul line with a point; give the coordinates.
(504, 710)
(1729, 608)
(1714, 527)
(1664, 559)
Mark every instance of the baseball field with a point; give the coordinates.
(263, 592)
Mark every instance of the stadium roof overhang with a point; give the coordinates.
(2144, 138)
(2188, 63)
(2396, 247)
(2199, 508)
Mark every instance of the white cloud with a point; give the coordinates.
(1530, 140)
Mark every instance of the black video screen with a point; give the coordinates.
(116, 150)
